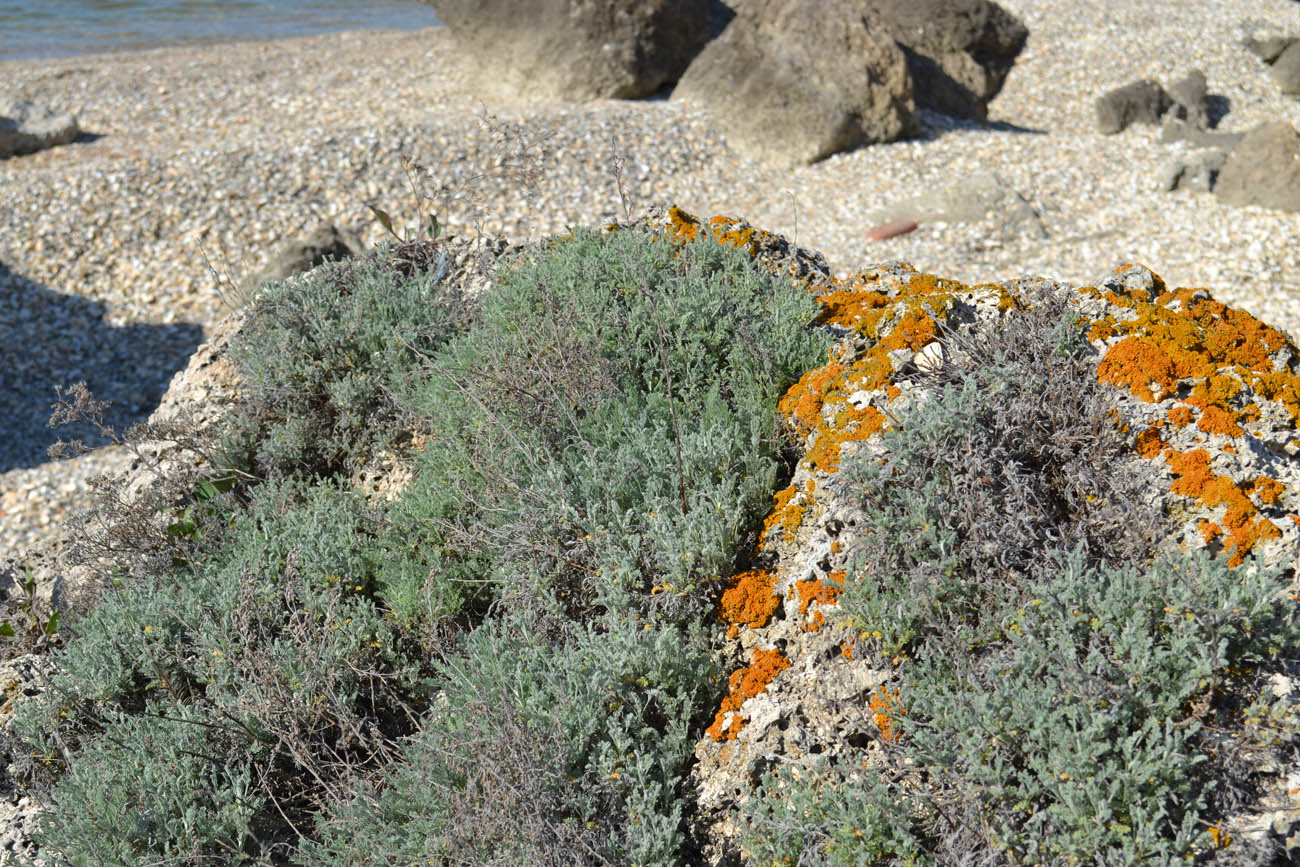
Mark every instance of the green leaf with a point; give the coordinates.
(52, 625)
(7, 630)
(384, 220)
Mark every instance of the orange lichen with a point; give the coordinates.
(848, 425)
(1215, 420)
(681, 225)
(821, 592)
(886, 708)
(786, 514)
(1268, 490)
(749, 599)
(745, 683)
(1181, 416)
(1149, 443)
(803, 401)
(1241, 522)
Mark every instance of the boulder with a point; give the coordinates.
(1191, 99)
(783, 97)
(1286, 69)
(958, 51)
(26, 127)
(1139, 102)
(575, 50)
(1264, 169)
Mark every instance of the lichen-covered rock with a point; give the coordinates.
(1207, 398)
(959, 52)
(27, 126)
(790, 83)
(575, 50)
(1264, 169)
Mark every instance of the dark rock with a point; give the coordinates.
(302, 254)
(781, 95)
(1140, 102)
(575, 49)
(1197, 172)
(1191, 98)
(1286, 69)
(26, 127)
(958, 51)
(1264, 169)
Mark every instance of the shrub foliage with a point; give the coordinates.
(508, 664)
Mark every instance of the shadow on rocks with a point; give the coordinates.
(50, 340)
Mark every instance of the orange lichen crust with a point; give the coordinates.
(1183, 340)
(749, 599)
(1241, 523)
(1214, 363)
(821, 592)
(788, 507)
(745, 683)
(886, 708)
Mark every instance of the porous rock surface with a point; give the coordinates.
(575, 50)
(793, 81)
(1210, 398)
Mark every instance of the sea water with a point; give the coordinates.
(48, 28)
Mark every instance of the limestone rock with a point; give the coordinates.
(1139, 102)
(1286, 70)
(959, 52)
(26, 127)
(1264, 169)
(1197, 172)
(575, 50)
(793, 82)
(1191, 98)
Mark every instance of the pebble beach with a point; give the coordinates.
(121, 251)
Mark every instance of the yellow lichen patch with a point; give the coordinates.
(886, 708)
(786, 514)
(749, 599)
(744, 684)
(1181, 416)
